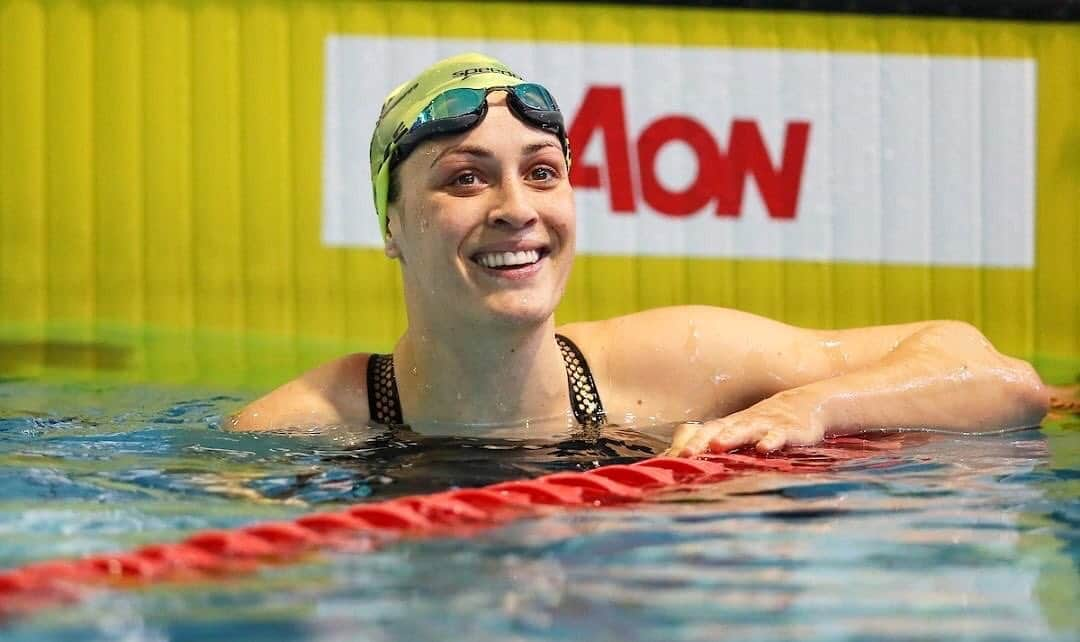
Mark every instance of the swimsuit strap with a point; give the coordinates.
(584, 397)
(384, 405)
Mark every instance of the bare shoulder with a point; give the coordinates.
(677, 330)
(333, 393)
(680, 358)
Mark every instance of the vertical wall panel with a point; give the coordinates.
(1071, 175)
(266, 205)
(807, 285)
(217, 167)
(577, 303)
(857, 288)
(759, 285)
(117, 150)
(168, 228)
(1007, 296)
(217, 191)
(662, 282)
(468, 21)
(69, 54)
(955, 293)
(708, 282)
(1057, 231)
(373, 282)
(601, 273)
(905, 291)
(265, 148)
(318, 280)
(22, 165)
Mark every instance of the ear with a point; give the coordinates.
(390, 245)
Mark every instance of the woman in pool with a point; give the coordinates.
(470, 167)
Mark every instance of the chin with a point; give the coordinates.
(516, 314)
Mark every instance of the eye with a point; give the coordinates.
(465, 179)
(543, 173)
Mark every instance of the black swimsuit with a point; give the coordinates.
(384, 405)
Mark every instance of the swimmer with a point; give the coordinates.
(470, 167)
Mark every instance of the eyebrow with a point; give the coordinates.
(468, 150)
(535, 147)
(483, 152)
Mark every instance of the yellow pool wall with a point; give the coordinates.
(160, 187)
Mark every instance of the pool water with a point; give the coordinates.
(974, 538)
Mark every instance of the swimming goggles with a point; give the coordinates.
(459, 109)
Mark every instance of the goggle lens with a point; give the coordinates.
(535, 97)
(451, 104)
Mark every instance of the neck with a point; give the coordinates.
(453, 379)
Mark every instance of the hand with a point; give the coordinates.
(784, 419)
(1064, 397)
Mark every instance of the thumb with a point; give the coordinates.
(682, 436)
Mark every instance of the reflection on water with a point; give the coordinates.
(973, 538)
(89, 354)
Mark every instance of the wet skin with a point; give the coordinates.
(484, 233)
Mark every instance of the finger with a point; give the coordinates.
(682, 436)
(699, 442)
(773, 440)
(732, 437)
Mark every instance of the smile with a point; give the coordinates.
(509, 260)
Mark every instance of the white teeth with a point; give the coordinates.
(500, 259)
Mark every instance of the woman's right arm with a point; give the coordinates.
(332, 394)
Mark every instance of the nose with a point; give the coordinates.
(513, 211)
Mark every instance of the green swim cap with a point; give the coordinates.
(405, 103)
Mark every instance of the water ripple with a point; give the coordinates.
(975, 539)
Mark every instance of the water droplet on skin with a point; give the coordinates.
(693, 343)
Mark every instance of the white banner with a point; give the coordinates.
(743, 153)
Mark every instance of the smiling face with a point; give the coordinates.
(484, 224)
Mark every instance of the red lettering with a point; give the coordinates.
(711, 166)
(602, 110)
(720, 176)
(779, 188)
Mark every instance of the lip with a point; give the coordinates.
(512, 274)
(516, 273)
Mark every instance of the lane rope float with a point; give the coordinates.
(213, 554)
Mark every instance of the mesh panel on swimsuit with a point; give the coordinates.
(384, 405)
(584, 397)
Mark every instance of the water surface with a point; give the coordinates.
(951, 538)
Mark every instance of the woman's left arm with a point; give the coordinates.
(941, 375)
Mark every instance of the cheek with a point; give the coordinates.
(564, 219)
(439, 233)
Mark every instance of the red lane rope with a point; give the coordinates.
(363, 527)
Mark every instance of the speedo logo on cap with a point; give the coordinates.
(471, 71)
